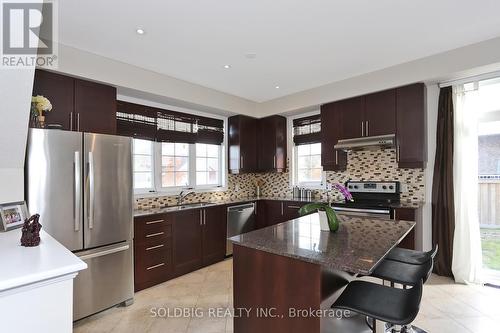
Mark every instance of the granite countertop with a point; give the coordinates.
(26, 265)
(152, 211)
(162, 210)
(357, 247)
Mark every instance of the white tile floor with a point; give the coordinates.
(446, 307)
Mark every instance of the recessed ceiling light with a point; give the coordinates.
(140, 31)
(227, 66)
(277, 87)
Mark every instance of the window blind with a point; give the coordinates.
(167, 126)
(135, 121)
(307, 130)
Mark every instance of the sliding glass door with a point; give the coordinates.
(489, 177)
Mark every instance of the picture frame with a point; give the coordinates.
(13, 215)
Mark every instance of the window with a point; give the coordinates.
(142, 156)
(207, 164)
(170, 167)
(308, 165)
(174, 164)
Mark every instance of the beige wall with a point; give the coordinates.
(15, 96)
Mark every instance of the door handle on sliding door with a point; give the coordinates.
(77, 196)
(91, 190)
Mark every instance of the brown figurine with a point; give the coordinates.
(31, 231)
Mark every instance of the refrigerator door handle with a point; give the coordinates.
(91, 190)
(77, 199)
(105, 252)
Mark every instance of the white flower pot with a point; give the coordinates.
(323, 221)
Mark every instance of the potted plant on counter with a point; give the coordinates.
(327, 218)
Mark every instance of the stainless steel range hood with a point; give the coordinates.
(367, 142)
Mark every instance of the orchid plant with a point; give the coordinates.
(344, 191)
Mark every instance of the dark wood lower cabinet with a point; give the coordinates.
(187, 247)
(407, 214)
(173, 244)
(291, 209)
(214, 234)
(152, 250)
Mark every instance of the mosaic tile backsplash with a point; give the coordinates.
(375, 165)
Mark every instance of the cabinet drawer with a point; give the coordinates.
(148, 255)
(152, 227)
(153, 263)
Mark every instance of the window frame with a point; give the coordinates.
(292, 151)
(311, 184)
(159, 190)
(220, 171)
(153, 168)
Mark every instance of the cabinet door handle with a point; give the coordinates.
(294, 207)
(78, 122)
(241, 162)
(201, 218)
(155, 266)
(367, 129)
(155, 221)
(336, 157)
(362, 128)
(204, 217)
(274, 161)
(282, 209)
(154, 247)
(397, 152)
(155, 234)
(91, 190)
(71, 121)
(78, 190)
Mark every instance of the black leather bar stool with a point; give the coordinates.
(407, 274)
(411, 256)
(392, 305)
(396, 306)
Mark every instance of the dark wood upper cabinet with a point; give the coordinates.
(411, 149)
(271, 144)
(242, 144)
(77, 105)
(214, 234)
(187, 241)
(380, 113)
(59, 89)
(95, 107)
(331, 159)
(351, 113)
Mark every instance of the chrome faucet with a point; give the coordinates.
(182, 196)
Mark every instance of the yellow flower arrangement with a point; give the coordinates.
(40, 104)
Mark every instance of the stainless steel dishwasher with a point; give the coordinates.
(240, 219)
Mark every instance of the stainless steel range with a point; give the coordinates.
(371, 198)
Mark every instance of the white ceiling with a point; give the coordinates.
(299, 44)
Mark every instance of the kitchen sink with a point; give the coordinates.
(189, 205)
(196, 204)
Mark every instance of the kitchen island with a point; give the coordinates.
(36, 285)
(294, 267)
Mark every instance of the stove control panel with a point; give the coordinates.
(373, 187)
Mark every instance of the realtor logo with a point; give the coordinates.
(28, 35)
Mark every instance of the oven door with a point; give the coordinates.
(365, 212)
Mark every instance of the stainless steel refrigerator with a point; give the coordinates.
(81, 185)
